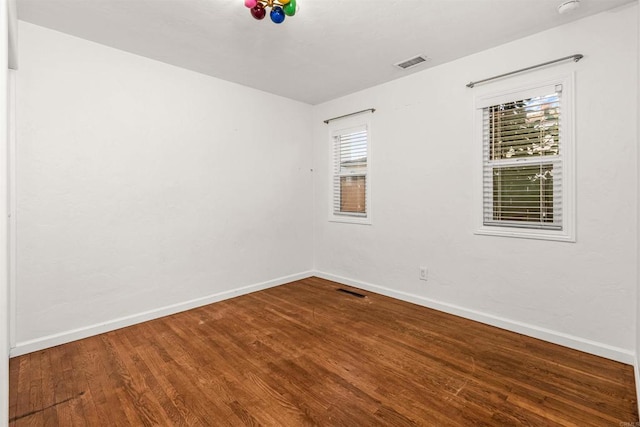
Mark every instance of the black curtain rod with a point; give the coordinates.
(577, 57)
(373, 110)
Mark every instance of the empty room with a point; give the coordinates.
(320, 212)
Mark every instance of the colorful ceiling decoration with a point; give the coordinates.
(280, 9)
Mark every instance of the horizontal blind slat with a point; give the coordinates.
(525, 194)
(350, 152)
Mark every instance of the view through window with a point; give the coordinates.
(350, 173)
(522, 162)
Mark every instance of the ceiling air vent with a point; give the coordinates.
(412, 62)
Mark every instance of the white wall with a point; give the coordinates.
(142, 186)
(4, 288)
(636, 325)
(143, 189)
(578, 294)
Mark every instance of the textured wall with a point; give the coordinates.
(422, 134)
(142, 185)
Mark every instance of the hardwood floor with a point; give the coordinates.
(305, 354)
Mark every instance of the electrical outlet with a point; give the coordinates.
(423, 273)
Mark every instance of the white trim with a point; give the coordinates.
(4, 285)
(337, 128)
(556, 337)
(12, 198)
(12, 24)
(636, 329)
(25, 347)
(557, 236)
(568, 151)
(636, 366)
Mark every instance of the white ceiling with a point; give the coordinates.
(329, 49)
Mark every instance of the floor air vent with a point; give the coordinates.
(355, 294)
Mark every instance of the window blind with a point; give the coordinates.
(350, 155)
(522, 162)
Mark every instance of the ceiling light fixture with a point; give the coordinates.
(568, 6)
(279, 9)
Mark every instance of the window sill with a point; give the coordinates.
(350, 220)
(519, 233)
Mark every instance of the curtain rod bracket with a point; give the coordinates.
(373, 110)
(577, 57)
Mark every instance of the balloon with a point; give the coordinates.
(277, 15)
(258, 11)
(250, 3)
(283, 2)
(290, 8)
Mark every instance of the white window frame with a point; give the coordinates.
(567, 233)
(340, 127)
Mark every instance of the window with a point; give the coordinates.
(350, 183)
(527, 162)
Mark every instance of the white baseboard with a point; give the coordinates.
(588, 346)
(30, 346)
(556, 337)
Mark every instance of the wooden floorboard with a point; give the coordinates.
(306, 354)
